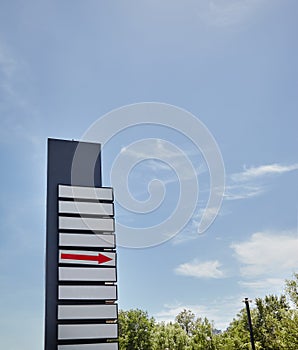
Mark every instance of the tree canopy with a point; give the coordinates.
(274, 319)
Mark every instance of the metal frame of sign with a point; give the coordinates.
(81, 266)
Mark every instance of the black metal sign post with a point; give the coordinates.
(81, 311)
(252, 341)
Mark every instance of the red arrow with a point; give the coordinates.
(100, 258)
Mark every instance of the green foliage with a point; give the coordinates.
(268, 321)
(202, 335)
(275, 327)
(170, 336)
(292, 289)
(185, 319)
(237, 335)
(135, 330)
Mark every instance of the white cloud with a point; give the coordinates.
(266, 260)
(220, 311)
(267, 253)
(192, 232)
(248, 183)
(264, 286)
(185, 236)
(207, 269)
(234, 192)
(263, 170)
(163, 158)
(169, 312)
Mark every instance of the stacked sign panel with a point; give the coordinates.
(81, 292)
(87, 291)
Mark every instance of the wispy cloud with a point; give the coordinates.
(195, 268)
(249, 183)
(266, 259)
(261, 171)
(220, 311)
(238, 191)
(164, 159)
(265, 286)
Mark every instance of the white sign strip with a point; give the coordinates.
(77, 192)
(87, 257)
(87, 240)
(87, 331)
(77, 312)
(87, 274)
(92, 224)
(100, 346)
(87, 292)
(103, 209)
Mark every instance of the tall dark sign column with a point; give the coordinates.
(81, 313)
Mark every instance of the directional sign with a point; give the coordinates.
(81, 291)
(87, 257)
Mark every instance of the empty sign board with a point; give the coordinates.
(87, 331)
(86, 208)
(88, 193)
(78, 312)
(87, 240)
(90, 224)
(79, 292)
(107, 274)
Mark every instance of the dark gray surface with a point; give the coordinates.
(60, 160)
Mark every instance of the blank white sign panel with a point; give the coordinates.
(87, 292)
(107, 274)
(87, 257)
(101, 346)
(78, 192)
(94, 224)
(87, 240)
(87, 331)
(103, 209)
(77, 312)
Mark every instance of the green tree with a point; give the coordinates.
(202, 335)
(269, 321)
(273, 327)
(292, 289)
(236, 337)
(135, 330)
(170, 336)
(185, 319)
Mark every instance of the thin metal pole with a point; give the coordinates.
(246, 301)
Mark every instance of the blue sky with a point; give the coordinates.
(232, 64)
